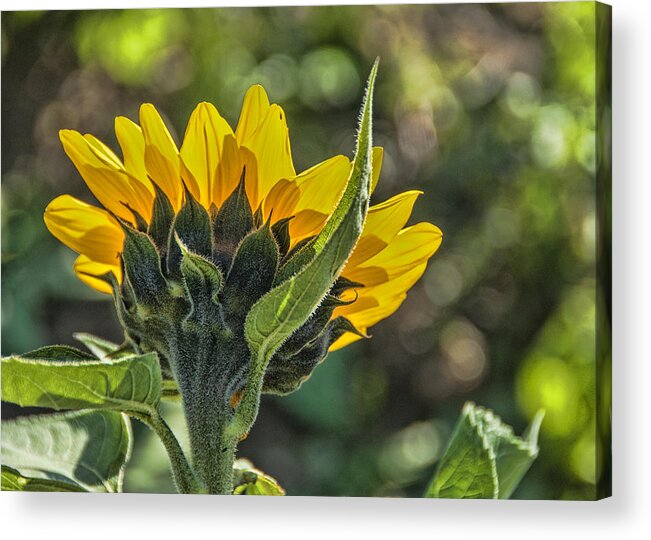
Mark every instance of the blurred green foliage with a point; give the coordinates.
(489, 109)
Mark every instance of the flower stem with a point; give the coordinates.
(184, 477)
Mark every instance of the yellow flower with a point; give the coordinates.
(388, 259)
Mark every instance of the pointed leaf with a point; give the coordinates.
(87, 449)
(484, 459)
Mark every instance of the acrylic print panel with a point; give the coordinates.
(342, 251)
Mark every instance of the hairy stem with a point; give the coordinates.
(184, 477)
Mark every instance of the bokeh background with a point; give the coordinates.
(489, 109)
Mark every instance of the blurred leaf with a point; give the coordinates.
(12, 480)
(251, 481)
(87, 449)
(131, 384)
(484, 459)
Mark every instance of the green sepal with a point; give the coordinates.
(141, 224)
(162, 218)
(344, 284)
(192, 225)
(258, 218)
(202, 279)
(280, 230)
(12, 480)
(252, 272)
(142, 266)
(83, 448)
(233, 222)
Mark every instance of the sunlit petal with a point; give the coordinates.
(411, 246)
(270, 145)
(105, 175)
(203, 146)
(85, 228)
(161, 155)
(383, 222)
(254, 109)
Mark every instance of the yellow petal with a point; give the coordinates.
(270, 146)
(383, 223)
(343, 341)
(254, 109)
(229, 170)
(373, 304)
(132, 142)
(86, 268)
(411, 246)
(203, 145)
(105, 175)
(366, 318)
(310, 196)
(85, 228)
(377, 155)
(161, 155)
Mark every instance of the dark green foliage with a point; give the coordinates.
(58, 352)
(161, 220)
(142, 265)
(232, 223)
(280, 230)
(193, 227)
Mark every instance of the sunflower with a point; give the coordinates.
(387, 261)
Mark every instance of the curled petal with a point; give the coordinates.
(84, 228)
(411, 246)
(383, 222)
(89, 271)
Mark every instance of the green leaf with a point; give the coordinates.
(101, 348)
(313, 270)
(58, 352)
(251, 481)
(130, 384)
(12, 480)
(84, 449)
(484, 459)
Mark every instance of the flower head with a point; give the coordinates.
(217, 166)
